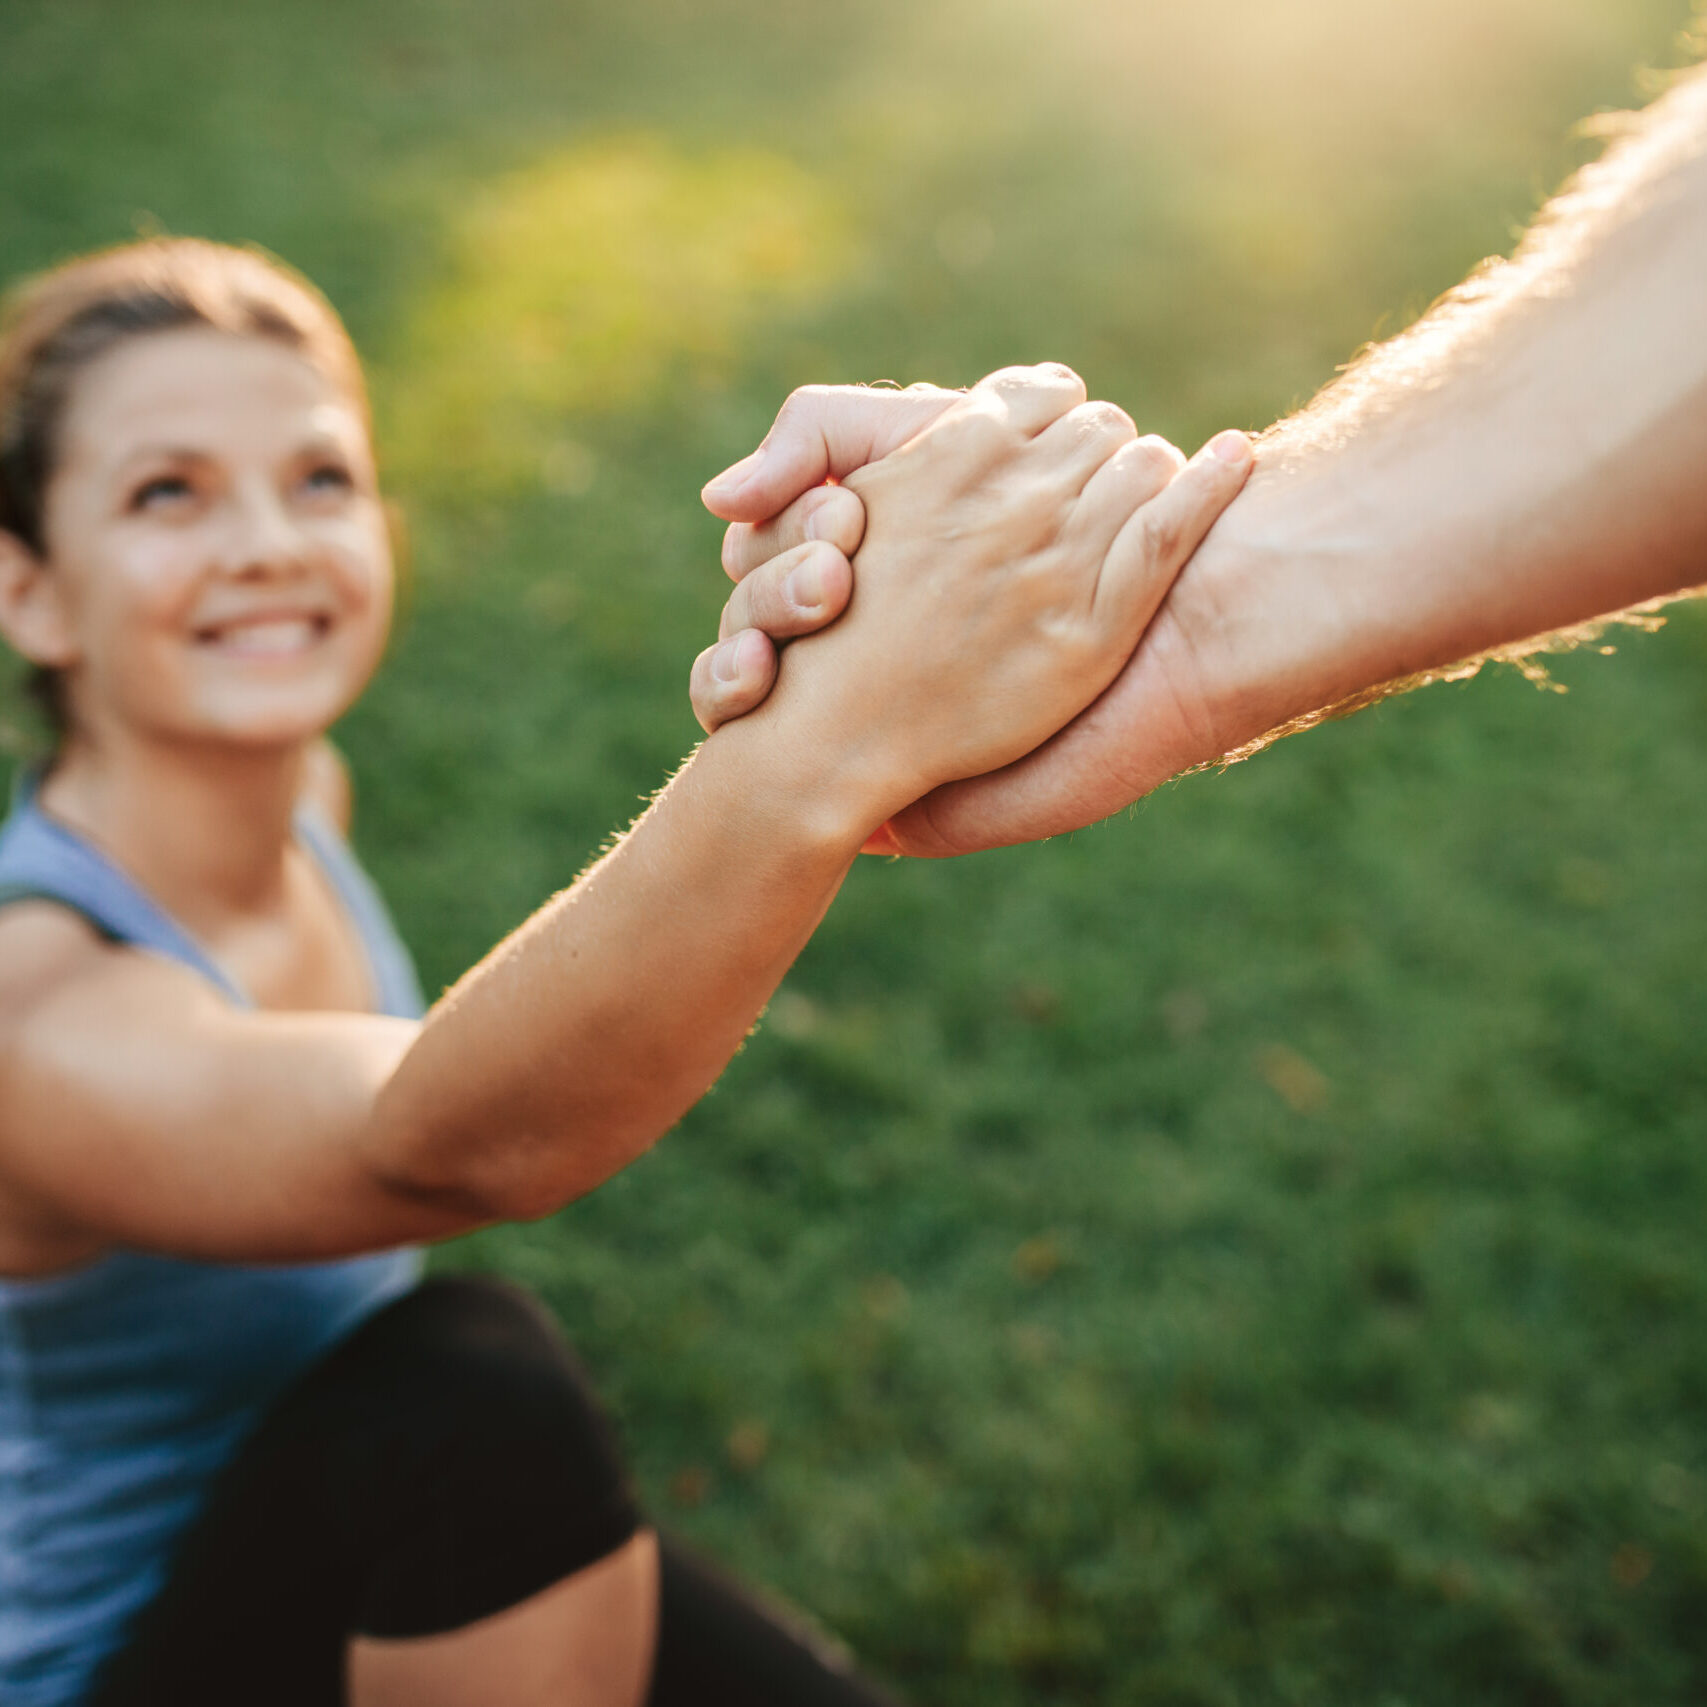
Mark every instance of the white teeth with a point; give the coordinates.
(272, 639)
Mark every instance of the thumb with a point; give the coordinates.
(823, 432)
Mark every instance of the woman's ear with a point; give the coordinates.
(33, 617)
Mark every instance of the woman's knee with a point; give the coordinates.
(472, 1357)
(475, 1464)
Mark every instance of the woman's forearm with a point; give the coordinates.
(594, 1027)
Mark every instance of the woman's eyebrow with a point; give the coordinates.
(319, 442)
(313, 444)
(162, 452)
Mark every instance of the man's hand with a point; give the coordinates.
(1526, 458)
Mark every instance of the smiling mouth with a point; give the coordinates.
(268, 637)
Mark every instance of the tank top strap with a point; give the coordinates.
(396, 986)
(43, 860)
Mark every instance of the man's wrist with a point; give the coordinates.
(1273, 618)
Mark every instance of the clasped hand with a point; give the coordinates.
(1010, 545)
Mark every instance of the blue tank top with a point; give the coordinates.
(125, 1385)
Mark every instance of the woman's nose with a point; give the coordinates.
(263, 538)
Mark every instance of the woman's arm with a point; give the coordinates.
(135, 1108)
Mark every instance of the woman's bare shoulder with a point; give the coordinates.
(46, 950)
(42, 944)
(141, 1108)
(68, 992)
(57, 971)
(80, 1019)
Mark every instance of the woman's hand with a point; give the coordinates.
(1014, 551)
(793, 576)
(778, 498)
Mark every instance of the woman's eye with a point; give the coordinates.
(162, 489)
(329, 477)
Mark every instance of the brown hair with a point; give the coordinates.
(57, 324)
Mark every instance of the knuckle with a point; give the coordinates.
(1160, 451)
(1043, 520)
(1152, 464)
(1101, 420)
(1044, 376)
(983, 429)
(816, 402)
(1058, 373)
(978, 431)
(1161, 534)
(803, 404)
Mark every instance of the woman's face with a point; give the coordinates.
(215, 535)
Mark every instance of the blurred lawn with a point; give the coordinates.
(1249, 1253)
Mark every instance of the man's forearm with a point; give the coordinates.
(1532, 454)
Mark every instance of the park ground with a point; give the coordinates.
(1249, 1252)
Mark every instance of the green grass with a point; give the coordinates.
(1249, 1252)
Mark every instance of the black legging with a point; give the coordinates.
(444, 1462)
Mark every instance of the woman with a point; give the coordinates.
(244, 1454)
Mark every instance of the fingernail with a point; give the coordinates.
(731, 480)
(726, 661)
(1231, 446)
(816, 509)
(804, 585)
